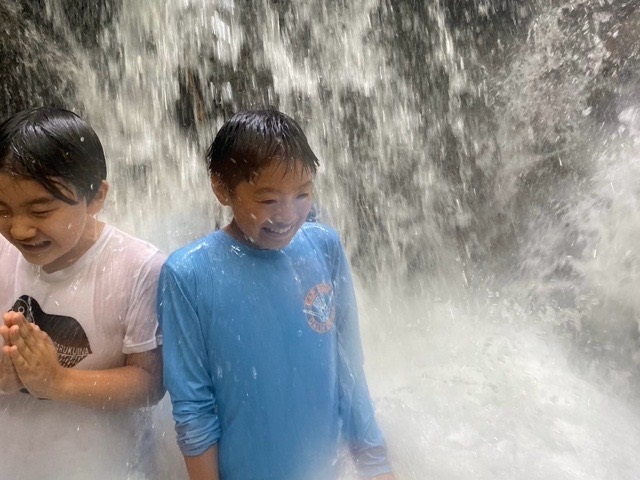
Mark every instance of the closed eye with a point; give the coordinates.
(42, 213)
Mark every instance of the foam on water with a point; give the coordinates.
(485, 390)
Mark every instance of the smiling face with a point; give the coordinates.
(269, 209)
(48, 231)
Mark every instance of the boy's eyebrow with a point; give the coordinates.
(35, 201)
(275, 190)
(40, 201)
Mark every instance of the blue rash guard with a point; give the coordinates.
(262, 356)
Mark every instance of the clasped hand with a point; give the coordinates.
(29, 358)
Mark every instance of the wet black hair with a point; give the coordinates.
(249, 140)
(55, 148)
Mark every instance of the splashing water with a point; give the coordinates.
(485, 185)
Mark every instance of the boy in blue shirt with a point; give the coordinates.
(262, 351)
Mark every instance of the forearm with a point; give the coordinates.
(356, 408)
(116, 388)
(35, 360)
(203, 466)
(137, 384)
(363, 433)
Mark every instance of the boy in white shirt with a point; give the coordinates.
(81, 326)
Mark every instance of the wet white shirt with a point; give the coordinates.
(107, 297)
(97, 311)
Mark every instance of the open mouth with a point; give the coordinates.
(279, 231)
(34, 247)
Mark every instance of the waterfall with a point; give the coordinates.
(479, 159)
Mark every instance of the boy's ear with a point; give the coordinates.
(97, 202)
(220, 190)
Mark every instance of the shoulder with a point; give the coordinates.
(320, 231)
(196, 254)
(130, 251)
(196, 265)
(322, 237)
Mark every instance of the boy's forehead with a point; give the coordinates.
(277, 170)
(19, 188)
(30, 190)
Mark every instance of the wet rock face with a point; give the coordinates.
(618, 87)
(33, 71)
(36, 63)
(570, 99)
(87, 19)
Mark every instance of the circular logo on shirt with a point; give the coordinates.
(319, 308)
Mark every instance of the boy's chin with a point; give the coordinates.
(37, 259)
(270, 244)
(264, 241)
(273, 241)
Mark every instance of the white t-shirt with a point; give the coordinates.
(97, 311)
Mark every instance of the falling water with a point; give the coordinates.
(480, 161)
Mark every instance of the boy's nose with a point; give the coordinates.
(22, 229)
(286, 214)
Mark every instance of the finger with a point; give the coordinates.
(13, 352)
(22, 358)
(4, 333)
(6, 365)
(14, 334)
(7, 317)
(10, 354)
(35, 349)
(20, 323)
(20, 365)
(27, 333)
(14, 318)
(4, 357)
(18, 343)
(34, 338)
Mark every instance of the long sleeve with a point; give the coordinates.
(360, 428)
(186, 375)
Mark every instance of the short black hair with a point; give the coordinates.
(56, 148)
(251, 139)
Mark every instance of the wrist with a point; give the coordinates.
(56, 386)
(10, 384)
(10, 389)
